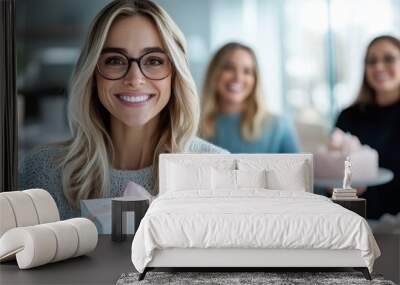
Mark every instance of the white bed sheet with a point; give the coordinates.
(251, 218)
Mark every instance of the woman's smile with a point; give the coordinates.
(135, 99)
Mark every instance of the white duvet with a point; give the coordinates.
(252, 218)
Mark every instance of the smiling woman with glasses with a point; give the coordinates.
(375, 119)
(131, 98)
(115, 64)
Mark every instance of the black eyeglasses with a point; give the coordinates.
(154, 65)
(387, 59)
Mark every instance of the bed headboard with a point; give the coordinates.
(296, 168)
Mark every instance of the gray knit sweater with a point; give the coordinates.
(40, 170)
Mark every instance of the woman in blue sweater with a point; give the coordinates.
(233, 110)
(131, 98)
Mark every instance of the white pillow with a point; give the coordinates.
(280, 179)
(229, 179)
(188, 177)
(223, 179)
(251, 178)
(223, 164)
(281, 174)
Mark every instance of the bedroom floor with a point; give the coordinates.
(388, 264)
(268, 278)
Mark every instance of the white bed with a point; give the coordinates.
(243, 210)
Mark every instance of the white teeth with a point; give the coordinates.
(381, 77)
(135, 99)
(235, 87)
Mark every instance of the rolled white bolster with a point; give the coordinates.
(67, 240)
(40, 244)
(87, 234)
(45, 205)
(33, 246)
(26, 208)
(7, 218)
(23, 208)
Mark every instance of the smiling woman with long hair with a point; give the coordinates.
(233, 109)
(375, 119)
(131, 98)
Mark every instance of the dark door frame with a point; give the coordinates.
(8, 98)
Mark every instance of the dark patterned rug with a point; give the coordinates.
(269, 278)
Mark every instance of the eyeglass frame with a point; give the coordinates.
(133, 59)
(386, 60)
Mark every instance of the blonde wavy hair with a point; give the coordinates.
(89, 154)
(254, 114)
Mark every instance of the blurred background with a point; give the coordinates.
(311, 54)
